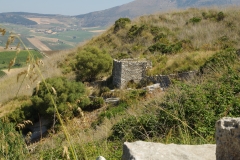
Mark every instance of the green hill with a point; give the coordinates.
(82, 126)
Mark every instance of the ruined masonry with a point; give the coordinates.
(127, 70)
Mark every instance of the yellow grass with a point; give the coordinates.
(12, 105)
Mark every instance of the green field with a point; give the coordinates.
(7, 56)
(73, 36)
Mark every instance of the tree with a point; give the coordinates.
(67, 95)
(92, 63)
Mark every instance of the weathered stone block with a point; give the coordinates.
(156, 151)
(228, 139)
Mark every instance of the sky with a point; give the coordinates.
(64, 7)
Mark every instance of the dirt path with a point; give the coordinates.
(37, 43)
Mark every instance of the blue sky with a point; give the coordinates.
(64, 7)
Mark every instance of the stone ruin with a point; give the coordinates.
(134, 70)
(127, 70)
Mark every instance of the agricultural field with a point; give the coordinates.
(7, 56)
(54, 36)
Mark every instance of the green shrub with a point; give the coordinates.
(214, 15)
(220, 16)
(136, 31)
(95, 103)
(92, 63)
(121, 23)
(165, 48)
(195, 20)
(68, 97)
(111, 111)
(136, 128)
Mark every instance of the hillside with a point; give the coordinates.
(175, 42)
(70, 105)
(141, 7)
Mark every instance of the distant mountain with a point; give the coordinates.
(109, 16)
(15, 19)
(143, 7)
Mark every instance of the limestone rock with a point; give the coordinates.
(140, 150)
(228, 138)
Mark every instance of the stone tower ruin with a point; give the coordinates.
(127, 70)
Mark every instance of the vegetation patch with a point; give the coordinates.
(92, 63)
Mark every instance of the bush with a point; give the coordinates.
(195, 20)
(67, 95)
(136, 128)
(213, 15)
(136, 31)
(165, 48)
(111, 111)
(92, 63)
(121, 23)
(220, 16)
(96, 102)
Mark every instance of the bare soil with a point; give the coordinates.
(37, 43)
(45, 20)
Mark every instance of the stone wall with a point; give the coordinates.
(165, 80)
(228, 138)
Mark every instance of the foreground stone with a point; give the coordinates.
(228, 139)
(140, 150)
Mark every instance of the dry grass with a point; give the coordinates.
(204, 36)
(10, 106)
(9, 85)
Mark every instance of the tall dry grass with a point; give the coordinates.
(9, 84)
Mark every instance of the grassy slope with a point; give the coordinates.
(199, 40)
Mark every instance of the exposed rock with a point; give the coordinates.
(228, 138)
(140, 150)
(112, 100)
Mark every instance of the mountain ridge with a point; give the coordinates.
(130, 10)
